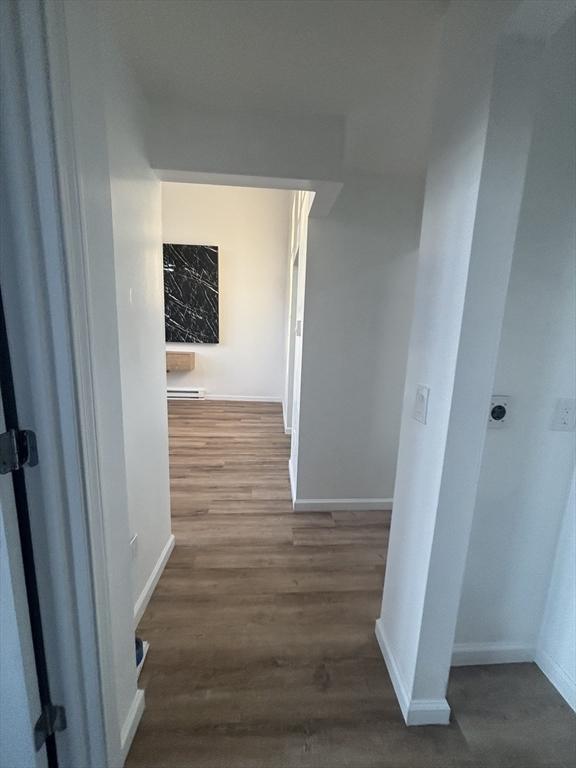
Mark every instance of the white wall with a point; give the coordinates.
(526, 467)
(468, 229)
(300, 218)
(367, 64)
(361, 264)
(303, 134)
(251, 229)
(290, 334)
(252, 144)
(136, 212)
(88, 115)
(120, 201)
(556, 648)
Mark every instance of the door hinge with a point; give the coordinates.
(17, 448)
(51, 721)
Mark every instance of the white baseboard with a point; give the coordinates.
(131, 723)
(287, 429)
(331, 505)
(246, 398)
(292, 480)
(563, 683)
(428, 712)
(414, 711)
(472, 654)
(150, 585)
(393, 671)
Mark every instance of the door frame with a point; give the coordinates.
(49, 342)
(17, 663)
(288, 400)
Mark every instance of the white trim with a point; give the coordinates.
(246, 398)
(38, 308)
(564, 684)
(150, 586)
(353, 505)
(131, 723)
(292, 481)
(287, 429)
(472, 654)
(393, 671)
(325, 193)
(428, 712)
(414, 711)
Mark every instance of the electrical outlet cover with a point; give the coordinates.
(499, 413)
(564, 418)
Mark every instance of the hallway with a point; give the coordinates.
(263, 652)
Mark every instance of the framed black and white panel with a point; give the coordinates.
(191, 293)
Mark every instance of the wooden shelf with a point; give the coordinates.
(180, 361)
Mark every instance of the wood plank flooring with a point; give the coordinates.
(261, 628)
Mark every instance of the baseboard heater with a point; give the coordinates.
(186, 393)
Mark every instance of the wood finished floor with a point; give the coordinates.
(261, 628)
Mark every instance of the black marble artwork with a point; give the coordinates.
(191, 293)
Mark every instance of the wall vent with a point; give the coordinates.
(186, 393)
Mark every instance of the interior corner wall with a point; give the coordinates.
(527, 466)
(87, 107)
(556, 645)
(137, 229)
(360, 277)
(303, 202)
(290, 317)
(465, 252)
(250, 226)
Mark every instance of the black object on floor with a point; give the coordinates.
(139, 649)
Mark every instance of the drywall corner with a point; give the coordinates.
(414, 711)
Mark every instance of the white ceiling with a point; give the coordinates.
(370, 60)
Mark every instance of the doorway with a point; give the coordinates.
(291, 346)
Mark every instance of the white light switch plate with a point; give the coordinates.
(564, 418)
(420, 412)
